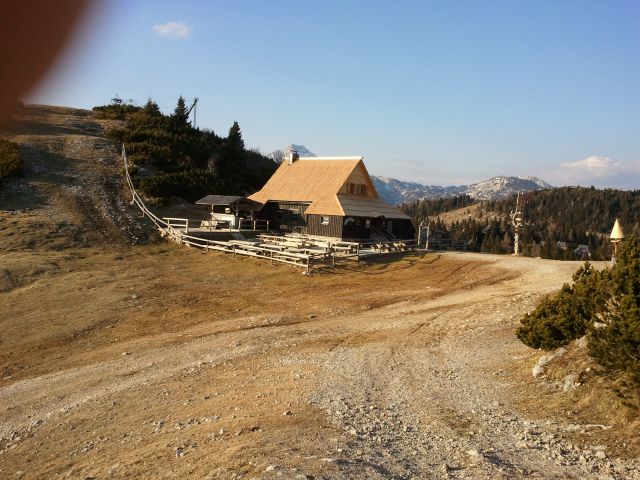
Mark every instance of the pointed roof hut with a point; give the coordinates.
(616, 232)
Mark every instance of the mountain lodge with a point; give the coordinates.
(330, 197)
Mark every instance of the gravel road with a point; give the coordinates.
(412, 390)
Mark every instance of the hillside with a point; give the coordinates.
(556, 221)
(70, 193)
(123, 356)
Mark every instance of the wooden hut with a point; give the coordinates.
(227, 210)
(330, 197)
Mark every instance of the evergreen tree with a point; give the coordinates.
(180, 116)
(234, 139)
(151, 108)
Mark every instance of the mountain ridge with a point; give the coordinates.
(396, 191)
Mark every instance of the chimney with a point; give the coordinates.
(293, 156)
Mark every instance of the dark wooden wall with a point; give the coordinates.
(314, 226)
(281, 216)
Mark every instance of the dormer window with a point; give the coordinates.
(363, 189)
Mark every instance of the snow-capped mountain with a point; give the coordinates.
(500, 187)
(278, 155)
(395, 191)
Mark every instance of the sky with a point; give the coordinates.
(436, 92)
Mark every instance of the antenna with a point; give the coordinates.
(517, 219)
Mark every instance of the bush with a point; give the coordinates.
(10, 161)
(605, 305)
(116, 111)
(565, 316)
(190, 185)
(614, 338)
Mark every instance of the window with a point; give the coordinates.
(324, 220)
(363, 189)
(367, 223)
(352, 188)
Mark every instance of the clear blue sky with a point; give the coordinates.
(442, 92)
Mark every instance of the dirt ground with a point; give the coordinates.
(126, 357)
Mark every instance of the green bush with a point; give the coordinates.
(190, 185)
(614, 337)
(565, 316)
(116, 111)
(10, 161)
(605, 305)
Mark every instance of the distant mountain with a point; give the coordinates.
(395, 191)
(278, 155)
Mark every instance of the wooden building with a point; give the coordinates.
(329, 197)
(228, 211)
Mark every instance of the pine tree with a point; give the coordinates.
(180, 116)
(234, 139)
(151, 108)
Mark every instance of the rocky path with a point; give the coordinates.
(418, 389)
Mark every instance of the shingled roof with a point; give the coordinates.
(320, 181)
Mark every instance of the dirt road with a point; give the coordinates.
(420, 379)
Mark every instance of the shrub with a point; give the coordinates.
(614, 338)
(565, 316)
(10, 161)
(605, 305)
(116, 111)
(190, 184)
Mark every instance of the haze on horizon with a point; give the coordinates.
(432, 92)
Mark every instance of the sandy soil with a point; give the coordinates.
(160, 361)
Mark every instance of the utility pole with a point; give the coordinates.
(193, 107)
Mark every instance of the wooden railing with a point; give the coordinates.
(247, 224)
(181, 223)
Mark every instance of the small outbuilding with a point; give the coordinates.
(329, 197)
(228, 210)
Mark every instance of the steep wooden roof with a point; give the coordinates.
(318, 180)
